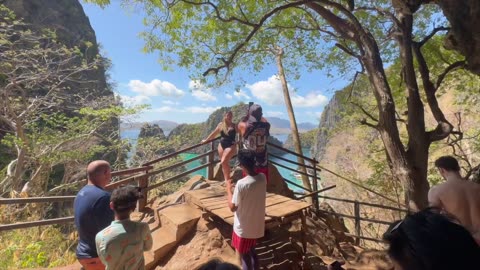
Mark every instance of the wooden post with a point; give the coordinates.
(210, 160)
(143, 185)
(315, 185)
(304, 232)
(356, 209)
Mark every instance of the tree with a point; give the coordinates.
(217, 37)
(47, 111)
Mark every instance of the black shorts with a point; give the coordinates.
(226, 144)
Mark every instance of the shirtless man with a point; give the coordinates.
(457, 196)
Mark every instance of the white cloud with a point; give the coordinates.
(133, 101)
(164, 109)
(273, 114)
(241, 95)
(228, 96)
(270, 92)
(196, 109)
(310, 100)
(169, 102)
(200, 91)
(155, 88)
(203, 95)
(192, 109)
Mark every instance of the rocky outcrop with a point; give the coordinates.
(151, 131)
(307, 140)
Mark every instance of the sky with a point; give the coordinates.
(172, 96)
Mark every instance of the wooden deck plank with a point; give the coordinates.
(214, 200)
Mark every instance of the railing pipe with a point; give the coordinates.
(288, 168)
(178, 152)
(178, 164)
(364, 203)
(131, 171)
(356, 210)
(177, 176)
(315, 187)
(210, 160)
(37, 200)
(143, 184)
(312, 161)
(297, 185)
(21, 225)
(291, 161)
(316, 192)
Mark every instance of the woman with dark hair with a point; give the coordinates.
(227, 147)
(428, 240)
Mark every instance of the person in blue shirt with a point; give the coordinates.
(92, 213)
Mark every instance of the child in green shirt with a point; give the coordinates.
(121, 245)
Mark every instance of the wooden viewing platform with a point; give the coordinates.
(279, 209)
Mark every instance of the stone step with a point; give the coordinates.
(163, 241)
(179, 219)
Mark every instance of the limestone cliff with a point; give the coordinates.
(72, 28)
(328, 121)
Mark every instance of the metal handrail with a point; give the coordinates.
(36, 199)
(179, 152)
(312, 161)
(291, 161)
(364, 203)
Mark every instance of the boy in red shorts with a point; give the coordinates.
(248, 203)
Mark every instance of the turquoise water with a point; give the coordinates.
(287, 174)
(193, 164)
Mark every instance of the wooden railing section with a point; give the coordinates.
(142, 176)
(315, 194)
(357, 217)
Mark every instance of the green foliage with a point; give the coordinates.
(35, 247)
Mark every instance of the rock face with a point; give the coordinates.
(464, 36)
(330, 118)
(71, 26)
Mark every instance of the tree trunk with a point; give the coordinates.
(291, 116)
(414, 181)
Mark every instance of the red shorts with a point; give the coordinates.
(263, 170)
(242, 245)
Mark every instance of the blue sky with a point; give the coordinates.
(173, 96)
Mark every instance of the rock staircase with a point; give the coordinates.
(171, 225)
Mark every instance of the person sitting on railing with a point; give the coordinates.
(121, 245)
(248, 203)
(428, 240)
(254, 132)
(92, 213)
(227, 147)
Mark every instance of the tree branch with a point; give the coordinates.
(369, 115)
(452, 67)
(227, 62)
(444, 128)
(366, 123)
(429, 36)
